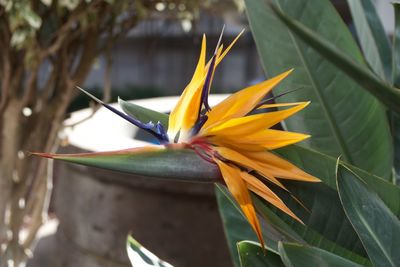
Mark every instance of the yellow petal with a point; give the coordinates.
(239, 191)
(279, 167)
(242, 102)
(185, 113)
(263, 191)
(269, 139)
(248, 163)
(253, 123)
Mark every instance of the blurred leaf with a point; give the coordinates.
(18, 37)
(252, 255)
(175, 164)
(69, 4)
(47, 2)
(141, 257)
(143, 114)
(343, 119)
(377, 227)
(31, 17)
(297, 255)
(372, 36)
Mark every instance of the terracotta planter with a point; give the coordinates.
(96, 208)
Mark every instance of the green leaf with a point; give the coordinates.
(252, 255)
(372, 37)
(395, 117)
(343, 119)
(395, 121)
(294, 255)
(326, 216)
(375, 224)
(140, 256)
(352, 66)
(396, 45)
(277, 229)
(324, 167)
(305, 233)
(178, 164)
(143, 114)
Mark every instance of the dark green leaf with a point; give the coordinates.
(372, 37)
(375, 224)
(252, 255)
(296, 255)
(304, 234)
(343, 118)
(395, 120)
(394, 116)
(143, 114)
(396, 45)
(140, 256)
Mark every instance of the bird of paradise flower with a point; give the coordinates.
(231, 135)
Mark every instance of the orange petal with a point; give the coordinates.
(239, 191)
(243, 161)
(253, 123)
(269, 139)
(242, 102)
(263, 191)
(279, 167)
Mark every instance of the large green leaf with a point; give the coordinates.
(140, 256)
(182, 164)
(372, 37)
(252, 255)
(143, 114)
(343, 119)
(296, 255)
(352, 67)
(376, 225)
